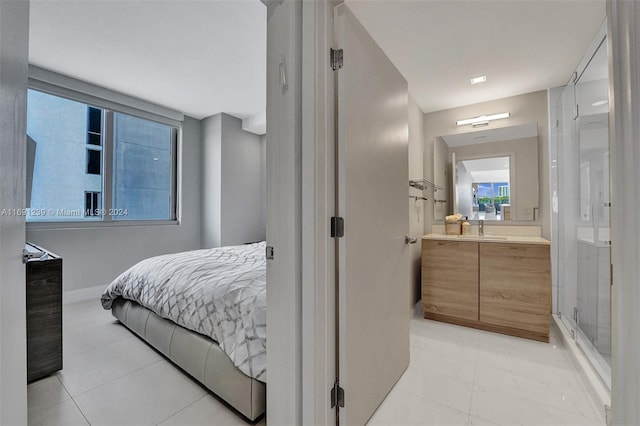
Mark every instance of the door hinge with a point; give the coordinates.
(557, 123)
(337, 395)
(610, 273)
(336, 59)
(337, 227)
(269, 253)
(576, 315)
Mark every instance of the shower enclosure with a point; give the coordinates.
(581, 209)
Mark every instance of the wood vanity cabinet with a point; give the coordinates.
(450, 278)
(515, 289)
(500, 287)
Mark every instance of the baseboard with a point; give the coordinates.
(90, 293)
(598, 390)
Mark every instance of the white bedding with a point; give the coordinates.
(218, 292)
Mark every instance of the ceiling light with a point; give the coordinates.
(476, 80)
(482, 118)
(599, 103)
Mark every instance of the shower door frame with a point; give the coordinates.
(569, 255)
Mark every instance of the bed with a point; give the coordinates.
(205, 310)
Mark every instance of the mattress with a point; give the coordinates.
(219, 293)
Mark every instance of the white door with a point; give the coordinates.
(373, 186)
(14, 33)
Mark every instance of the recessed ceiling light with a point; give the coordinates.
(480, 79)
(600, 103)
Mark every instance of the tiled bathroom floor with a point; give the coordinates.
(457, 376)
(463, 376)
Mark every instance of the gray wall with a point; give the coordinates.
(211, 182)
(263, 184)
(95, 256)
(233, 185)
(416, 209)
(524, 109)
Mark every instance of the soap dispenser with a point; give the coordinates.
(466, 226)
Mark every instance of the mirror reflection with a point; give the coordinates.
(483, 188)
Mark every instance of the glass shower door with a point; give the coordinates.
(584, 246)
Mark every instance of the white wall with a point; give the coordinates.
(464, 182)
(233, 183)
(524, 109)
(93, 257)
(416, 209)
(14, 46)
(284, 205)
(623, 34)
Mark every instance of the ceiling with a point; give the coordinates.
(494, 169)
(197, 57)
(520, 45)
(206, 57)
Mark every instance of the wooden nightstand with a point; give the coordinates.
(44, 315)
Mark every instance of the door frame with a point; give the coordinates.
(14, 49)
(318, 206)
(300, 202)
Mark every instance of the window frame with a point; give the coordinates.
(107, 148)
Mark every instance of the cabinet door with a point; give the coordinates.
(450, 279)
(515, 286)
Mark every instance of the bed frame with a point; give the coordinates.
(196, 354)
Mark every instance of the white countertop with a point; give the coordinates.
(489, 238)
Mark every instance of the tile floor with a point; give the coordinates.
(111, 377)
(457, 376)
(462, 376)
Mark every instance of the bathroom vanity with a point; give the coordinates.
(494, 283)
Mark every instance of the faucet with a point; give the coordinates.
(481, 227)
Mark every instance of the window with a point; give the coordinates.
(98, 164)
(93, 162)
(92, 204)
(493, 192)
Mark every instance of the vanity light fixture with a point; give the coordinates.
(476, 80)
(483, 119)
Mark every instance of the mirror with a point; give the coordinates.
(494, 173)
